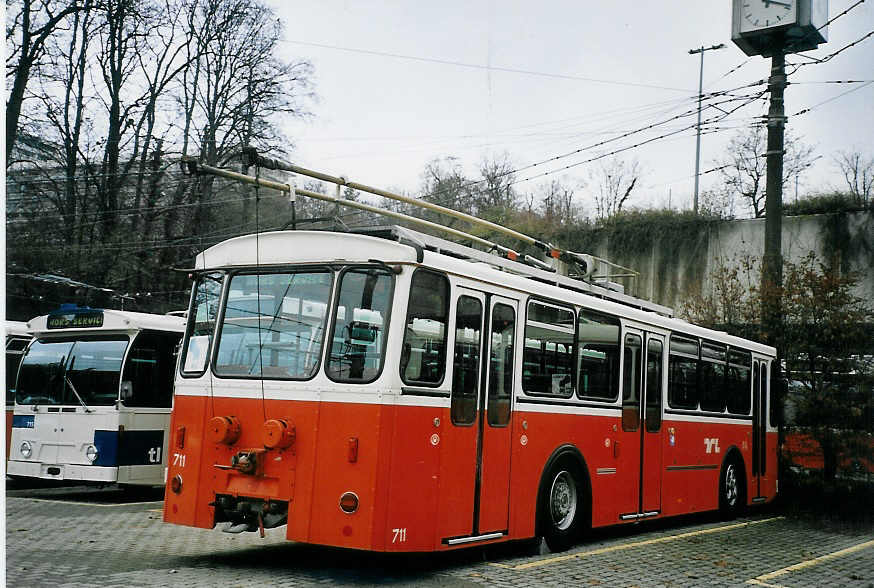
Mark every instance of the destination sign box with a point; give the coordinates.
(83, 320)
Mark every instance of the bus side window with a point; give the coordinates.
(466, 360)
(201, 323)
(425, 332)
(712, 371)
(148, 374)
(631, 384)
(358, 342)
(501, 365)
(548, 354)
(683, 373)
(737, 382)
(598, 346)
(653, 416)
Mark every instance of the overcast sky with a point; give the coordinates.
(402, 83)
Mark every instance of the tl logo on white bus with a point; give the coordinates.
(711, 445)
(154, 455)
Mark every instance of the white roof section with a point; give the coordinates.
(284, 247)
(293, 247)
(15, 329)
(113, 320)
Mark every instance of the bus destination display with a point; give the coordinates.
(82, 320)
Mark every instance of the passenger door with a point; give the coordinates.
(475, 462)
(493, 461)
(760, 419)
(459, 442)
(641, 456)
(651, 444)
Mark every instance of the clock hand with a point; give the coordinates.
(769, 2)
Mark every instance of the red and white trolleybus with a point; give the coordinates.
(394, 391)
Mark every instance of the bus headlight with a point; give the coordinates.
(26, 449)
(91, 453)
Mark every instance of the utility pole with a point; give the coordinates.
(700, 50)
(772, 262)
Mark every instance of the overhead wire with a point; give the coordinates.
(483, 67)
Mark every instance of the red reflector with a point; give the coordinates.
(349, 502)
(353, 449)
(180, 437)
(176, 484)
(512, 255)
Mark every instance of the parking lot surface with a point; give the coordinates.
(87, 537)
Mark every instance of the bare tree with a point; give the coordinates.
(117, 89)
(743, 168)
(614, 180)
(27, 30)
(558, 203)
(444, 183)
(495, 197)
(237, 89)
(858, 172)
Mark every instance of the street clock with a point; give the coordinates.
(764, 14)
(765, 27)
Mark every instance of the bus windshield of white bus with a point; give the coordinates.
(82, 372)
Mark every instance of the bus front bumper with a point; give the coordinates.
(62, 472)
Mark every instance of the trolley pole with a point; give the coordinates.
(700, 50)
(772, 261)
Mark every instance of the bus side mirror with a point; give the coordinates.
(127, 390)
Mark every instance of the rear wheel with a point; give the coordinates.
(731, 489)
(563, 505)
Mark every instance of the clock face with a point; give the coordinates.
(764, 14)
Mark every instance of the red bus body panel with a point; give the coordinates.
(415, 472)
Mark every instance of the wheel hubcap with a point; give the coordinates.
(731, 485)
(563, 500)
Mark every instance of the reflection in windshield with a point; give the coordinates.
(273, 325)
(52, 370)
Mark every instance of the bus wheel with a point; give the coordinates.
(731, 489)
(560, 509)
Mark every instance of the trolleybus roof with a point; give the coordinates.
(111, 320)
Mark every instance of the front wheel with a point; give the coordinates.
(563, 505)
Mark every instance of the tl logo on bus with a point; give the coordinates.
(711, 445)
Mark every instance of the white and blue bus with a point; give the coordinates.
(17, 338)
(93, 397)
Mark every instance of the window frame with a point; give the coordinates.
(332, 321)
(704, 361)
(271, 270)
(169, 336)
(189, 327)
(619, 367)
(734, 352)
(510, 368)
(572, 331)
(454, 399)
(447, 313)
(683, 354)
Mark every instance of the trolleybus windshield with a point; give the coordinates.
(72, 372)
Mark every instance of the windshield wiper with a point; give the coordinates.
(73, 388)
(79, 398)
